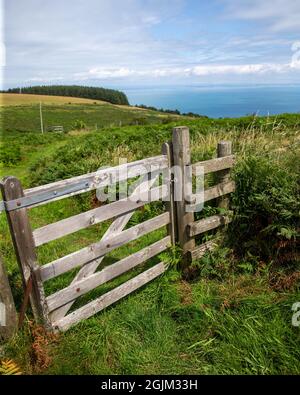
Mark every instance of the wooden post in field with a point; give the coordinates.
(41, 118)
(24, 245)
(224, 149)
(182, 159)
(8, 314)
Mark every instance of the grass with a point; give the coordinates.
(22, 113)
(173, 327)
(14, 99)
(22, 99)
(226, 318)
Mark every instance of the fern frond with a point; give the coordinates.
(9, 367)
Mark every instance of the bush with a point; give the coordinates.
(88, 153)
(10, 155)
(79, 125)
(267, 209)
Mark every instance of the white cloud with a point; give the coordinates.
(107, 73)
(44, 79)
(280, 15)
(200, 70)
(103, 40)
(239, 69)
(295, 63)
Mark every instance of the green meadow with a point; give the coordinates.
(230, 312)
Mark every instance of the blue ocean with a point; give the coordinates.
(220, 101)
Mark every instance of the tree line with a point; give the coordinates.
(175, 112)
(86, 92)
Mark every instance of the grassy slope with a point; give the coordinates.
(22, 113)
(237, 324)
(14, 99)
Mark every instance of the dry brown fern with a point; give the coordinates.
(40, 352)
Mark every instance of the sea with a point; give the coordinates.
(220, 101)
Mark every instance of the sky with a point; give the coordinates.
(149, 42)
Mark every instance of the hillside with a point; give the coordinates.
(87, 92)
(232, 313)
(17, 99)
(21, 112)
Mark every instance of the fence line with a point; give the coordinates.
(54, 310)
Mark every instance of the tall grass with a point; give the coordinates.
(229, 318)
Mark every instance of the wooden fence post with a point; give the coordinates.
(167, 150)
(24, 245)
(8, 314)
(224, 149)
(182, 159)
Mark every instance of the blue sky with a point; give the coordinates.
(151, 42)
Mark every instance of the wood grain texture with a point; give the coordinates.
(110, 272)
(201, 250)
(182, 159)
(73, 186)
(224, 149)
(92, 217)
(24, 246)
(115, 228)
(7, 307)
(96, 250)
(168, 179)
(215, 192)
(109, 298)
(216, 164)
(207, 224)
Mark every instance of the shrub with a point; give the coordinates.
(79, 125)
(267, 209)
(10, 155)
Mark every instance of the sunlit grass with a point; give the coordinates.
(228, 319)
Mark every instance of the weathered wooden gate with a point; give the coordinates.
(53, 310)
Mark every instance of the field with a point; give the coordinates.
(231, 313)
(22, 113)
(15, 99)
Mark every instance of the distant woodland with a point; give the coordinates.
(108, 95)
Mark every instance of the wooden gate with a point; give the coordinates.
(53, 310)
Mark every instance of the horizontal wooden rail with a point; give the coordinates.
(206, 224)
(108, 273)
(102, 247)
(213, 193)
(202, 249)
(92, 217)
(88, 182)
(219, 190)
(109, 298)
(216, 164)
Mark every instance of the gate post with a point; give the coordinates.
(182, 159)
(224, 149)
(8, 314)
(24, 246)
(168, 176)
